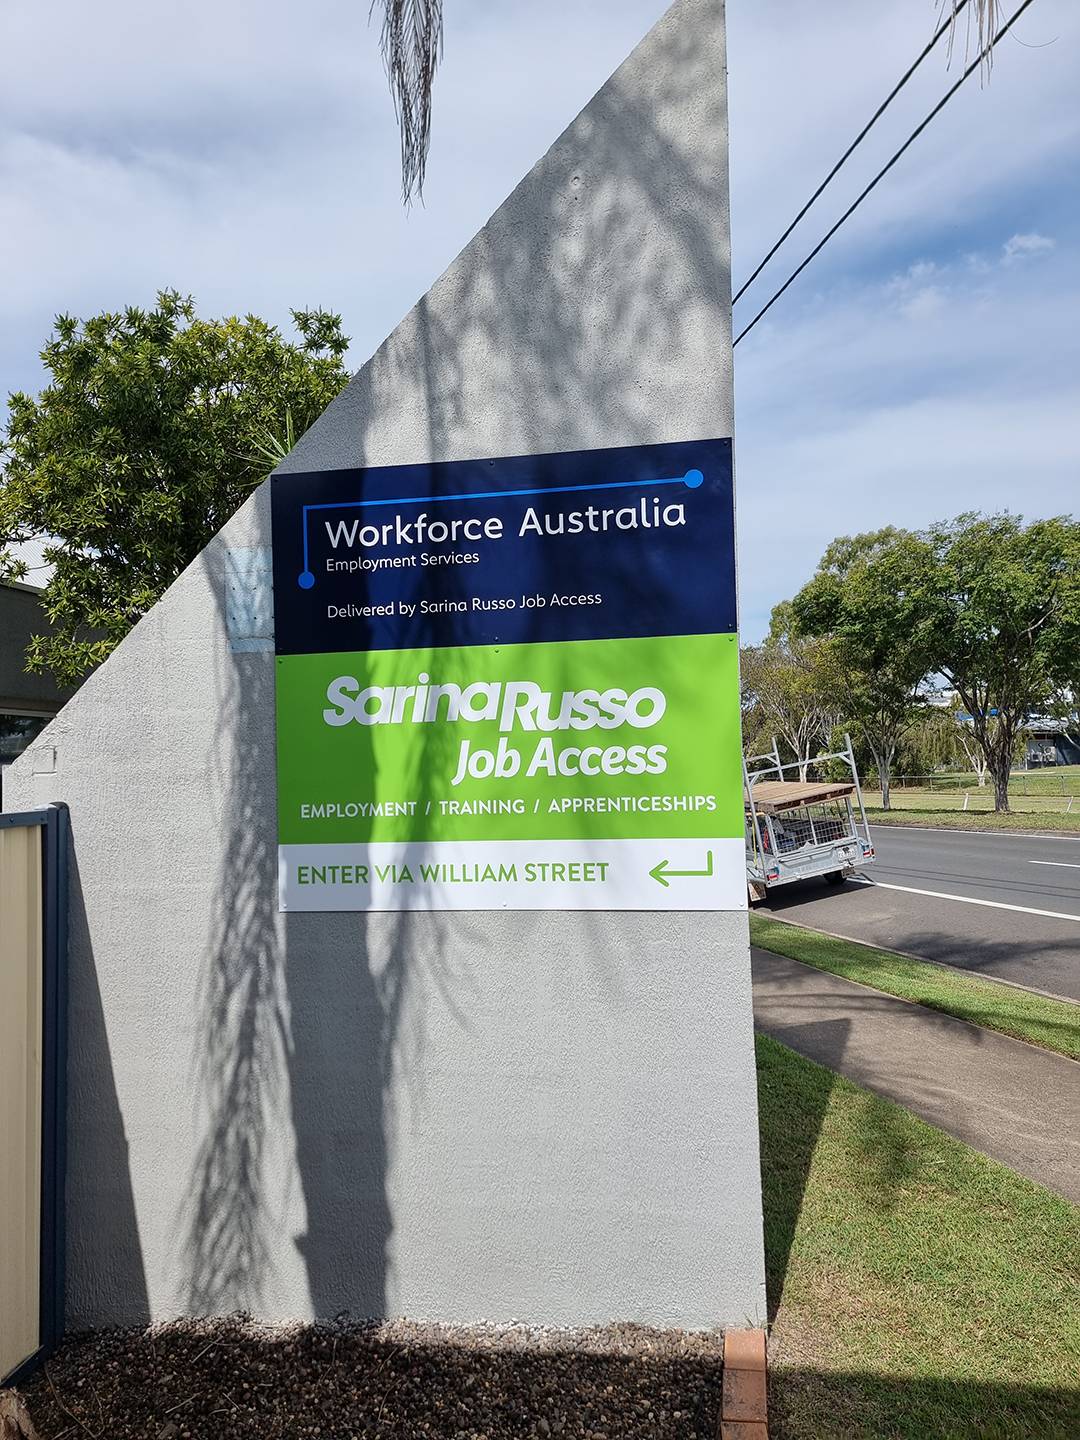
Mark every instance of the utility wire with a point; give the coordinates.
(943, 29)
(884, 170)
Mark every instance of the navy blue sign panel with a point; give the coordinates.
(586, 545)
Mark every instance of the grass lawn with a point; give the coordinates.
(944, 811)
(1047, 780)
(1041, 799)
(1053, 1024)
(919, 1290)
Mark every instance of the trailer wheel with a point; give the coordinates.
(835, 877)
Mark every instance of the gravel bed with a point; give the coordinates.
(205, 1379)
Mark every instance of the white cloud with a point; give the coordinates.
(1022, 247)
(877, 406)
(245, 150)
(805, 78)
(924, 303)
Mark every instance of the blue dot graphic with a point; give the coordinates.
(306, 580)
(693, 478)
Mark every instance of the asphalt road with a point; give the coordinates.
(1006, 905)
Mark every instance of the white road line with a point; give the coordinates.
(963, 830)
(970, 900)
(1061, 864)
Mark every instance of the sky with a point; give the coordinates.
(244, 151)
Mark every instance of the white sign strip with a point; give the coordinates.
(515, 875)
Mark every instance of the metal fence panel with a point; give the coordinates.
(33, 861)
(21, 1069)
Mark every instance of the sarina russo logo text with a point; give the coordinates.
(521, 704)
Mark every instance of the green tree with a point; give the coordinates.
(999, 603)
(789, 689)
(883, 642)
(144, 442)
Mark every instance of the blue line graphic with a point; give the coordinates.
(692, 479)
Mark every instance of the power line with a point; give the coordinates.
(884, 170)
(943, 29)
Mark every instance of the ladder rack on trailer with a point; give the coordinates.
(796, 829)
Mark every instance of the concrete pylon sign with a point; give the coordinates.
(472, 649)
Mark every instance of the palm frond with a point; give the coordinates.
(270, 446)
(411, 44)
(981, 23)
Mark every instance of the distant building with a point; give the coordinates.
(27, 702)
(1051, 742)
(1048, 741)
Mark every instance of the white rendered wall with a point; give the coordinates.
(549, 1117)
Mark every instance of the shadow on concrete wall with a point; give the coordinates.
(523, 303)
(242, 1036)
(338, 1065)
(293, 1051)
(100, 1200)
(304, 1021)
(308, 1022)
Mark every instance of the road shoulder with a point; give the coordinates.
(1049, 1021)
(1002, 1096)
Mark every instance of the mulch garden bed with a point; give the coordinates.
(205, 1379)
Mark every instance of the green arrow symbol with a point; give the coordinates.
(660, 872)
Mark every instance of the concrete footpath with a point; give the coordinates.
(1012, 1101)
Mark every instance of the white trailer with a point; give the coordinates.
(797, 829)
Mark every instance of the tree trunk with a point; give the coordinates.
(975, 759)
(883, 757)
(1002, 769)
